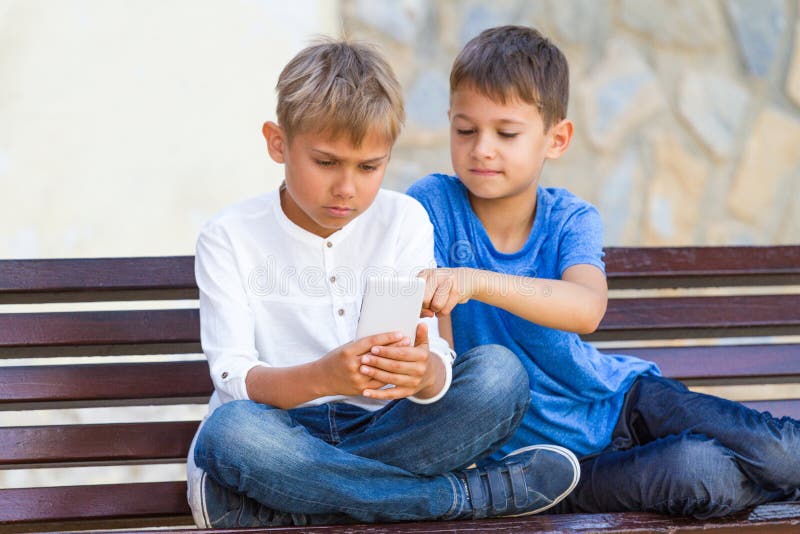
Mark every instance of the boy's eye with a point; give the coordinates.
(508, 135)
(464, 131)
(368, 168)
(324, 162)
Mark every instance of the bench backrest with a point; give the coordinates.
(665, 327)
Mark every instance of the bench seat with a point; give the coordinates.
(709, 316)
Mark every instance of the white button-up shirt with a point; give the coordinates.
(274, 294)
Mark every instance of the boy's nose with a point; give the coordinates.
(483, 147)
(345, 185)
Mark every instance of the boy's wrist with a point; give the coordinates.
(477, 282)
(442, 376)
(316, 379)
(435, 371)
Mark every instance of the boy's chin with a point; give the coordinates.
(496, 191)
(483, 192)
(333, 224)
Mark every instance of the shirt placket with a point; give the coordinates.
(338, 307)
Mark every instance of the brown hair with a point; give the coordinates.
(511, 62)
(340, 87)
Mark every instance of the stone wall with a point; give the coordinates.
(686, 111)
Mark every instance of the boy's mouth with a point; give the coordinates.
(339, 211)
(484, 172)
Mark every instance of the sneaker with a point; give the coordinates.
(527, 481)
(223, 508)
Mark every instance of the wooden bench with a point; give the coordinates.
(665, 326)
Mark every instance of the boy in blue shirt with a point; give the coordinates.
(525, 263)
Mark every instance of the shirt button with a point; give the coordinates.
(225, 375)
(329, 244)
(333, 279)
(340, 312)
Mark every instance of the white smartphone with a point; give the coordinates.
(391, 304)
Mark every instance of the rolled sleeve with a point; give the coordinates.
(226, 319)
(229, 374)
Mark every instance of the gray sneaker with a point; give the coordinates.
(227, 509)
(527, 481)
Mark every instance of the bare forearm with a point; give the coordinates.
(552, 303)
(284, 387)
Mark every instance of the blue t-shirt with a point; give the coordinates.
(576, 391)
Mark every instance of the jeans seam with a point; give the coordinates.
(455, 508)
(332, 423)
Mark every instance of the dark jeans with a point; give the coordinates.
(677, 452)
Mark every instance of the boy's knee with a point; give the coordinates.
(231, 418)
(774, 455)
(231, 429)
(770, 452)
(704, 479)
(495, 375)
(697, 457)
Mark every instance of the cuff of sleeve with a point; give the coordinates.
(581, 260)
(447, 360)
(237, 384)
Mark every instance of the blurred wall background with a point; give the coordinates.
(124, 125)
(686, 111)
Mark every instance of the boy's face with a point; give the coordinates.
(498, 150)
(329, 182)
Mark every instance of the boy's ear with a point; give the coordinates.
(276, 141)
(560, 137)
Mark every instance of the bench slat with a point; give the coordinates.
(97, 501)
(168, 499)
(99, 333)
(96, 444)
(721, 362)
(116, 384)
(113, 384)
(97, 279)
(778, 408)
(766, 519)
(699, 317)
(663, 267)
(170, 331)
(172, 277)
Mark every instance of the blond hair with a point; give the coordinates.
(510, 62)
(340, 87)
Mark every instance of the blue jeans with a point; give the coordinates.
(336, 462)
(677, 452)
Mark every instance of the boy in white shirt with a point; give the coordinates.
(300, 428)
